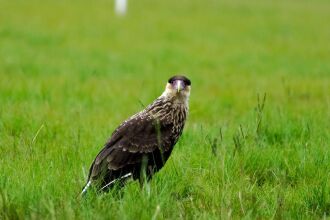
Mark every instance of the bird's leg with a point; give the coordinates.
(143, 170)
(151, 172)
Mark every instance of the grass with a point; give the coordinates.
(71, 72)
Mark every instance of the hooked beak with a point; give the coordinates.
(179, 86)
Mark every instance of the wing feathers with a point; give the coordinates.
(130, 141)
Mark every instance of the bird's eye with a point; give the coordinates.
(171, 81)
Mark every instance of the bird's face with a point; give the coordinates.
(178, 87)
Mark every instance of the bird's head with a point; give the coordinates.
(178, 87)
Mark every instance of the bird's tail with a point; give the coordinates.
(83, 192)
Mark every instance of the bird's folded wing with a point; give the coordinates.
(130, 141)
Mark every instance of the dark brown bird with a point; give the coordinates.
(143, 143)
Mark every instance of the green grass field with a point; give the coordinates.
(71, 72)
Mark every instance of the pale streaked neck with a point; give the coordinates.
(176, 100)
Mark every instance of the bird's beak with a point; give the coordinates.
(179, 86)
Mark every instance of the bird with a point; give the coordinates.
(141, 145)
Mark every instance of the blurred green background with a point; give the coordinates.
(71, 71)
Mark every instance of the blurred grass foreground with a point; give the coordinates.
(70, 72)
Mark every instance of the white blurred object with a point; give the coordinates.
(120, 7)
